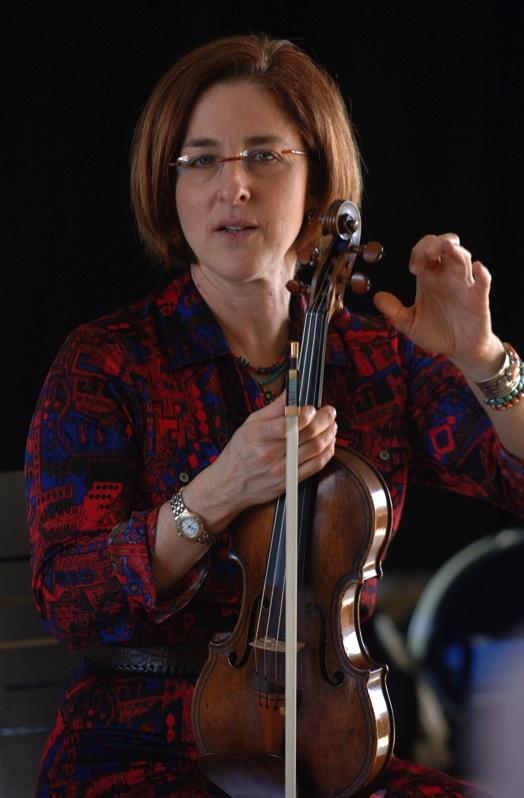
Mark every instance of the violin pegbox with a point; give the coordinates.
(343, 222)
(333, 266)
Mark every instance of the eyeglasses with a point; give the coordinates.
(259, 162)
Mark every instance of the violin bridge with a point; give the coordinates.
(273, 644)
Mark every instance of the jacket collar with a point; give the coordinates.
(194, 336)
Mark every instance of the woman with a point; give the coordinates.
(160, 423)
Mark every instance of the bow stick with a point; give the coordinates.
(291, 413)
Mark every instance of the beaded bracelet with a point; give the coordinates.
(506, 388)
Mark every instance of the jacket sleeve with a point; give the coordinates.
(454, 443)
(91, 541)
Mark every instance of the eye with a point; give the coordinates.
(263, 156)
(201, 161)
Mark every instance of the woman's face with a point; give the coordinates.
(241, 220)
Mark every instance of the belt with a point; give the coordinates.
(180, 659)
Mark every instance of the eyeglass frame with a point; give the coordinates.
(183, 160)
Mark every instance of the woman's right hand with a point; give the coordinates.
(251, 469)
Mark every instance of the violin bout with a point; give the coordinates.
(344, 717)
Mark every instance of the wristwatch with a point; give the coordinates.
(189, 525)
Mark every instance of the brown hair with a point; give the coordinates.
(302, 89)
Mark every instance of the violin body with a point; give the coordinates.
(344, 717)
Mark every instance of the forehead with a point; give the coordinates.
(241, 110)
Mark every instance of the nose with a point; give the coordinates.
(233, 183)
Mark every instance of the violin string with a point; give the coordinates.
(259, 619)
(311, 334)
(307, 344)
(313, 321)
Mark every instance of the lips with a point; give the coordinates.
(235, 226)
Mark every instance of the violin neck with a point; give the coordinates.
(312, 358)
(311, 371)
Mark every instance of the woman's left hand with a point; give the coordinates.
(450, 314)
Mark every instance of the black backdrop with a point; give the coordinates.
(436, 94)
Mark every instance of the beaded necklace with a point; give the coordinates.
(265, 375)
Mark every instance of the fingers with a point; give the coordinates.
(317, 440)
(269, 423)
(481, 275)
(321, 427)
(266, 433)
(317, 435)
(255, 457)
(396, 312)
(314, 453)
(443, 251)
(431, 247)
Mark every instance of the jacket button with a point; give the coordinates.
(184, 477)
(384, 454)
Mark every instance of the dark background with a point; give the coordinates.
(436, 94)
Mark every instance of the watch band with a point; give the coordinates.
(181, 511)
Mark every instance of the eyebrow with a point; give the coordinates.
(252, 141)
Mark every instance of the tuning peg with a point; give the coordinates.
(371, 252)
(359, 283)
(298, 287)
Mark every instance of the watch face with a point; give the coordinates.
(189, 526)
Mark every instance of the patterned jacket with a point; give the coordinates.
(140, 401)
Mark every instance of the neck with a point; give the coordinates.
(254, 316)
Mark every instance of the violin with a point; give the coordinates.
(344, 720)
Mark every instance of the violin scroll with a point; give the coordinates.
(342, 220)
(334, 266)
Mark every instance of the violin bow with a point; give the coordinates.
(291, 413)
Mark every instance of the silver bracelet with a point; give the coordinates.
(507, 378)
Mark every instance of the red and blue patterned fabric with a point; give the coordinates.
(135, 405)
